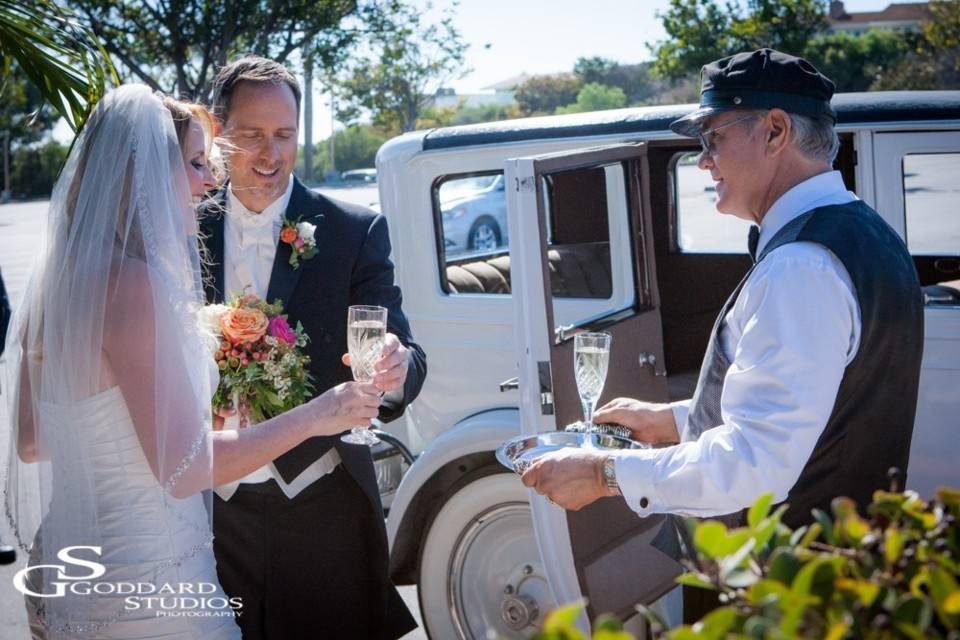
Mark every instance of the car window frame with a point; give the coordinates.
(441, 248)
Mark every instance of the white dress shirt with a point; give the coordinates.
(249, 248)
(250, 243)
(789, 336)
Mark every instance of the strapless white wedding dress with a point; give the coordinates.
(124, 487)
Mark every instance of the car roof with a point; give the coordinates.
(851, 108)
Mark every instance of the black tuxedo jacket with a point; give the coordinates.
(4, 315)
(352, 266)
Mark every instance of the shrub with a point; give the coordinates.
(892, 574)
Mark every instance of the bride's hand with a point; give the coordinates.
(347, 405)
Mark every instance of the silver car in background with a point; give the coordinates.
(474, 214)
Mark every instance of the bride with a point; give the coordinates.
(109, 392)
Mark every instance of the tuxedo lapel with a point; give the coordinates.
(211, 226)
(283, 277)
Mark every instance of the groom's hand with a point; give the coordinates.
(391, 369)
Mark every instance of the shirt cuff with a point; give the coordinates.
(681, 409)
(635, 473)
(393, 397)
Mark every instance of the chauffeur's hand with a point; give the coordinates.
(648, 422)
(391, 369)
(570, 478)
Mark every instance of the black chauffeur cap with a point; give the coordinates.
(761, 79)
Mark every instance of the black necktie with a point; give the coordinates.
(752, 241)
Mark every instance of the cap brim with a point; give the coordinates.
(690, 125)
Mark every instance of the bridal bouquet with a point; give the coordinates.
(262, 365)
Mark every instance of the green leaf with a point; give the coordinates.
(843, 507)
(943, 587)
(949, 497)
(737, 559)
(909, 630)
(759, 510)
(784, 566)
(709, 538)
(826, 524)
(713, 539)
(606, 634)
(813, 532)
(951, 604)
(837, 631)
(684, 633)
(817, 576)
(892, 545)
(696, 580)
(865, 591)
(765, 531)
(564, 620)
(854, 528)
(765, 592)
(717, 623)
(915, 612)
(606, 622)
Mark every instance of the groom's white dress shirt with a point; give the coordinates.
(789, 336)
(249, 248)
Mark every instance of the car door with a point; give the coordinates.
(918, 194)
(582, 259)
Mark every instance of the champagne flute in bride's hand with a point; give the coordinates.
(366, 330)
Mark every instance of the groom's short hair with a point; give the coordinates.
(249, 69)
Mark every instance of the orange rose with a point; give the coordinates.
(288, 235)
(243, 325)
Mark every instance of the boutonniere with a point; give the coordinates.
(300, 237)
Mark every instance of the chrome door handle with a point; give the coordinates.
(648, 359)
(510, 384)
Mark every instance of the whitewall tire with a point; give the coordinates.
(480, 570)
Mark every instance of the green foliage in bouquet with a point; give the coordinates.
(893, 574)
(260, 358)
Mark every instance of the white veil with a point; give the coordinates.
(111, 304)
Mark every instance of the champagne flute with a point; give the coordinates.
(591, 353)
(366, 330)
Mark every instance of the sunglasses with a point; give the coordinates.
(706, 137)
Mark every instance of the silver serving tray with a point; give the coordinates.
(517, 454)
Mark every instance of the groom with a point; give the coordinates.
(302, 541)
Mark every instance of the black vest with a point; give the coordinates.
(871, 424)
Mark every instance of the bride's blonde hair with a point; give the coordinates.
(184, 113)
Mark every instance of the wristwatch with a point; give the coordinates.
(609, 471)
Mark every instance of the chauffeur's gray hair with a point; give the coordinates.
(815, 137)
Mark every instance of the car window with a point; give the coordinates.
(474, 246)
(472, 237)
(699, 227)
(578, 205)
(931, 197)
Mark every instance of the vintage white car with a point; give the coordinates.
(611, 226)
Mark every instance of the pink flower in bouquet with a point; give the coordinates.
(299, 243)
(280, 329)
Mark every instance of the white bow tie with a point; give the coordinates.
(249, 220)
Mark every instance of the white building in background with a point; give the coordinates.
(498, 94)
(905, 16)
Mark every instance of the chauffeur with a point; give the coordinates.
(809, 384)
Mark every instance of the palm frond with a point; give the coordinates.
(62, 58)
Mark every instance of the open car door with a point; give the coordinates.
(581, 257)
